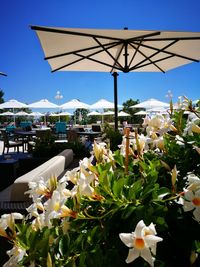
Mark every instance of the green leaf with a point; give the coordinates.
(118, 186)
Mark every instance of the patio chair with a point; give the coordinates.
(61, 129)
(7, 143)
(96, 128)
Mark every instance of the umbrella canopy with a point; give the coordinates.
(8, 113)
(103, 103)
(141, 112)
(36, 114)
(60, 114)
(21, 113)
(94, 113)
(12, 103)
(74, 104)
(151, 103)
(107, 113)
(117, 50)
(43, 103)
(123, 114)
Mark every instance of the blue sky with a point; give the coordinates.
(29, 76)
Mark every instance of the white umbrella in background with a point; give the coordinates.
(74, 104)
(13, 104)
(64, 113)
(21, 113)
(160, 110)
(36, 114)
(151, 103)
(7, 113)
(43, 103)
(141, 112)
(103, 103)
(123, 114)
(94, 113)
(107, 113)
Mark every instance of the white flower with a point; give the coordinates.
(16, 254)
(8, 221)
(192, 203)
(84, 184)
(194, 182)
(142, 242)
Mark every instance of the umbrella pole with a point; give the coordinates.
(115, 74)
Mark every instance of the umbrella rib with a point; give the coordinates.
(154, 54)
(97, 61)
(117, 57)
(170, 53)
(1, 73)
(88, 57)
(136, 50)
(151, 62)
(53, 30)
(104, 49)
(77, 51)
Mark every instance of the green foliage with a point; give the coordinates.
(113, 137)
(121, 199)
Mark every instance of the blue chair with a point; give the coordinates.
(61, 129)
(25, 124)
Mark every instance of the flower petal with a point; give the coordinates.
(132, 255)
(127, 239)
(146, 255)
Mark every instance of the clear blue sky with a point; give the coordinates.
(29, 76)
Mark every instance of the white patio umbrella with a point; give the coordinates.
(107, 113)
(64, 113)
(74, 104)
(123, 114)
(103, 103)
(160, 110)
(36, 114)
(13, 104)
(21, 113)
(141, 112)
(7, 113)
(43, 103)
(94, 113)
(151, 103)
(72, 49)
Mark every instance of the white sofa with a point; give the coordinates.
(54, 166)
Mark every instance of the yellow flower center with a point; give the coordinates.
(196, 201)
(56, 206)
(139, 243)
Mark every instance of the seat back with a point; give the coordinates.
(96, 128)
(5, 137)
(61, 127)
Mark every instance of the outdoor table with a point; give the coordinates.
(91, 135)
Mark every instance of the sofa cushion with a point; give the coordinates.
(54, 166)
